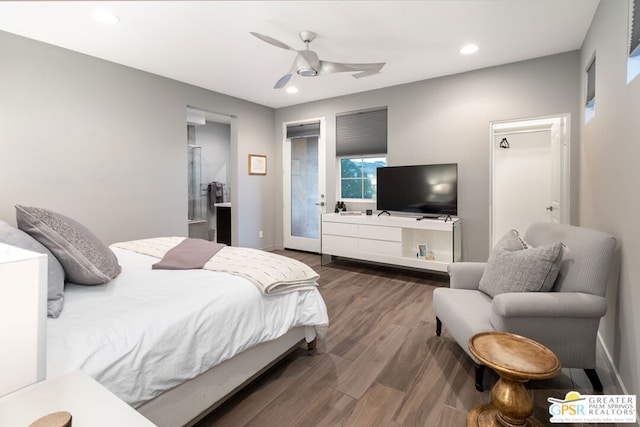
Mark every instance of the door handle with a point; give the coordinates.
(550, 208)
(320, 204)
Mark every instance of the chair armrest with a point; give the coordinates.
(549, 304)
(465, 275)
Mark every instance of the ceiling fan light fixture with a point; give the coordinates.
(307, 72)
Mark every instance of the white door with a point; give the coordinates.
(558, 141)
(529, 174)
(304, 189)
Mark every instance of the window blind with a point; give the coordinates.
(303, 130)
(361, 133)
(634, 33)
(591, 82)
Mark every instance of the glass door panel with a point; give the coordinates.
(304, 196)
(304, 188)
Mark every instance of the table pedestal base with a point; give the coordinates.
(488, 416)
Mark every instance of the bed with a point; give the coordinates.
(174, 344)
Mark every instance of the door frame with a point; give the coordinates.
(528, 125)
(200, 116)
(288, 241)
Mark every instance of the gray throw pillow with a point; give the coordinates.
(85, 259)
(515, 267)
(55, 274)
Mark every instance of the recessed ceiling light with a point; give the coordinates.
(469, 49)
(292, 89)
(106, 17)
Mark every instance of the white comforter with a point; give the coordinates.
(150, 330)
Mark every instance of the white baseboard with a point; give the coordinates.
(612, 366)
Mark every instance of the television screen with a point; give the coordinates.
(430, 190)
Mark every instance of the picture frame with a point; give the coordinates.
(257, 164)
(422, 250)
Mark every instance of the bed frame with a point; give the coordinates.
(191, 401)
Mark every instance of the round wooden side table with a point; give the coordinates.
(517, 360)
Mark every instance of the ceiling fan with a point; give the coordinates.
(307, 63)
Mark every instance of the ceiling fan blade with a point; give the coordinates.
(271, 40)
(362, 70)
(283, 81)
(362, 74)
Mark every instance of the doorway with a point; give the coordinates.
(529, 173)
(209, 173)
(304, 184)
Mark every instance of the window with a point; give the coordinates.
(358, 177)
(361, 147)
(590, 108)
(633, 63)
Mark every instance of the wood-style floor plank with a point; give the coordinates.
(331, 409)
(364, 370)
(401, 371)
(376, 406)
(287, 407)
(381, 363)
(262, 393)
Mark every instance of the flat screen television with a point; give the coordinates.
(429, 190)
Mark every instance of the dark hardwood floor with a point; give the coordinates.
(381, 363)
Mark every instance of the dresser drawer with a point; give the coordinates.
(340, 245)
(340, 229)
(393, 234)
(380, 247)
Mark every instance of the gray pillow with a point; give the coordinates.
(515, 267)
(55, 274)
(85, 259)
(511, 242)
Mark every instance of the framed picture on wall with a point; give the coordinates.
(257, 164)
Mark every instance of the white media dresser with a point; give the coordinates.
(392, 239)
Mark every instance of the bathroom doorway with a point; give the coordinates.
(209, 175)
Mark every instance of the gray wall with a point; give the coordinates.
(447, 120)
(609, 179)
(106, 144)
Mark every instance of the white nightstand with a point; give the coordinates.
(90, 404)
(23, 317)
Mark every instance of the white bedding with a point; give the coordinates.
(148, 331)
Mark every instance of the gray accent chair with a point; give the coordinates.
(565, 320)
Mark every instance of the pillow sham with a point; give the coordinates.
(85, 259)
(55, 274)
(514, 266)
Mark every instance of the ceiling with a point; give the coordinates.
(208, 43)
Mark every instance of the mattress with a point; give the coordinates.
(148, 331)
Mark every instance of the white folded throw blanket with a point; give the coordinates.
(271, 273)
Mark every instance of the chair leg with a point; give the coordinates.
(479, 376)
(438, 326)
(593, 377)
